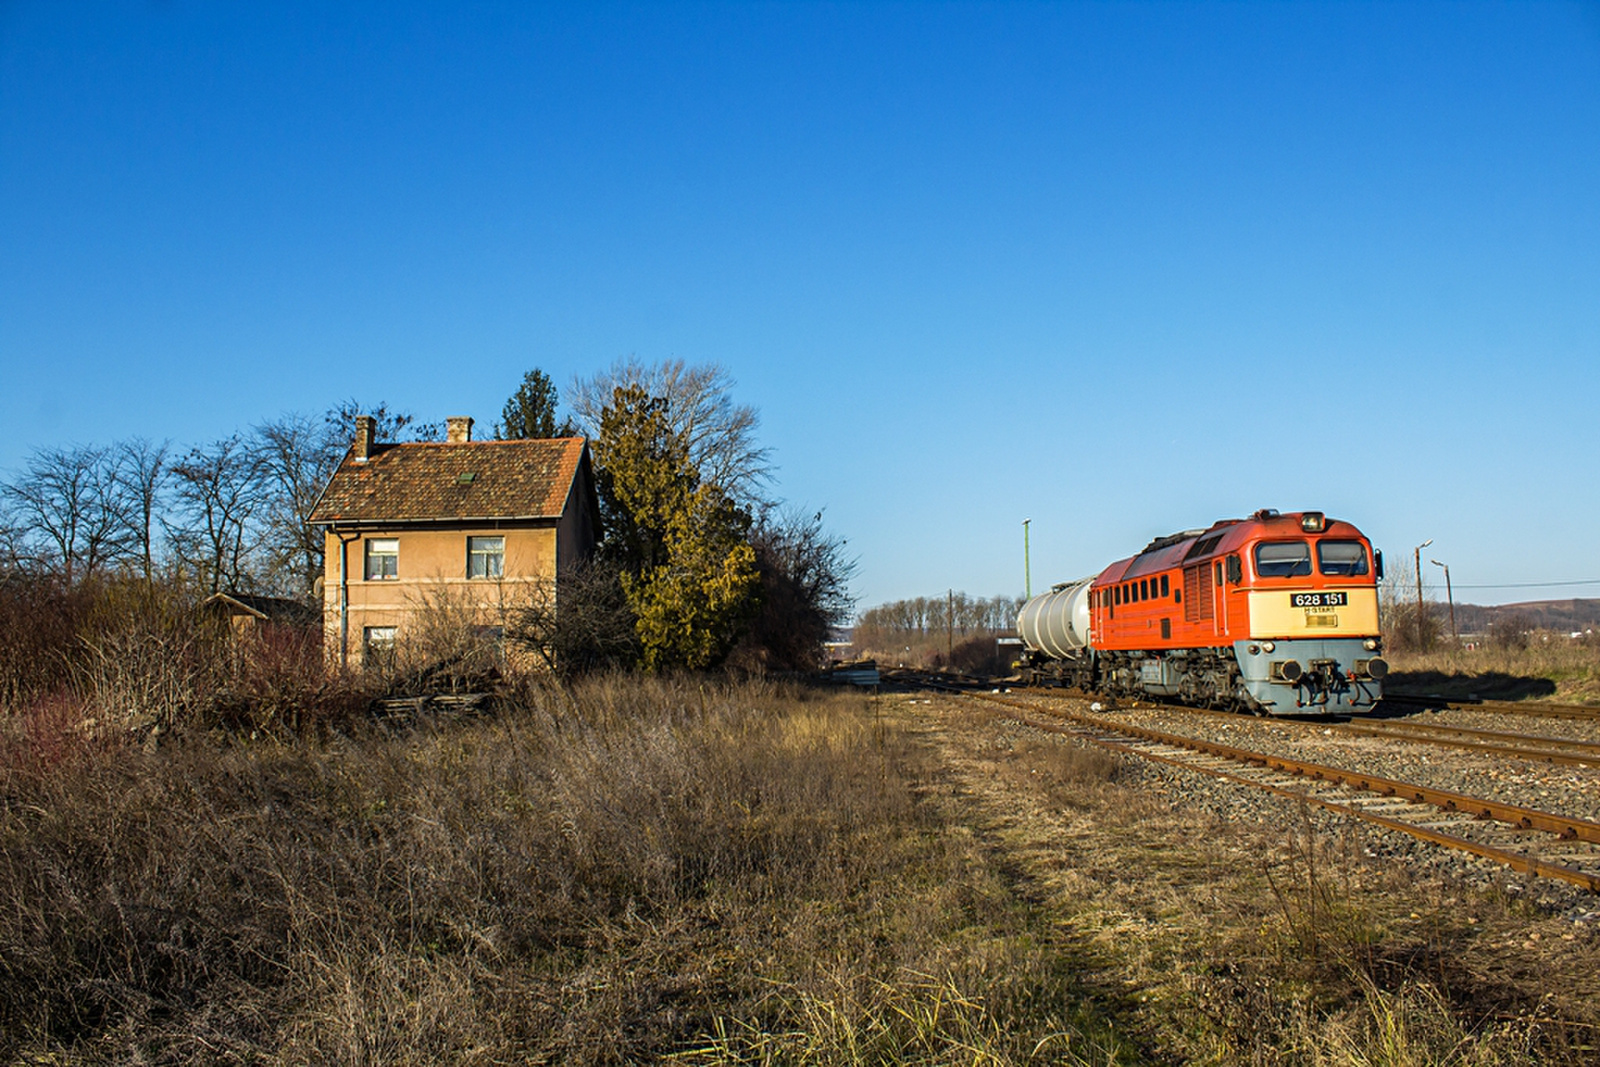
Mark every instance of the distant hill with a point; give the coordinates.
(1560, 615)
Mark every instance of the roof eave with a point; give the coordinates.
(436, 520)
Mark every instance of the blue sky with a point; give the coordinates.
(1120, 269)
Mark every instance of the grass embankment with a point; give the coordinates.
(635, 870)
(1550, 667)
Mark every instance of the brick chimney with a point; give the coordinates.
(458, 429)
(366, 434)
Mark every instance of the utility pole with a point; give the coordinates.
(1027, 565)
(1455, 634)
(949, 626)
(1422, 637)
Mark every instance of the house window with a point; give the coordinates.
(383, 558)
(486, 557)
(377, 646)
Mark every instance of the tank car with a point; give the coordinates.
(1275, 614)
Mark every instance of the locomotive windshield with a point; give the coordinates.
(1283, 559)
(1341, 558)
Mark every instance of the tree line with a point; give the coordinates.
(228, 515)
(698, 564)
(951, 612)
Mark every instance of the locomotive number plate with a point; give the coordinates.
(1319, 600)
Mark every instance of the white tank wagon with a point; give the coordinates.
(1057, 623)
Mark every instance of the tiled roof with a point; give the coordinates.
(466, 480)
(271, 608)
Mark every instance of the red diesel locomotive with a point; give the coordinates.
(1274, 614)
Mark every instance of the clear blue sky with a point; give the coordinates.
(1120, 269)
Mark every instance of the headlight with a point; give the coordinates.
(1370, 644)
(1268, 646)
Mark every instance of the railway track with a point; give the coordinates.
(1511, 708)
(1535, 748)
(1542, 843)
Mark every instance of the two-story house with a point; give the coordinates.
(475, 524)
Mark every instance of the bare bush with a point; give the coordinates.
(1510, 632)
(805, 577)
(145, 658)
(979, 655)
(130, 655)
(580, 623)
(39, 616)
(276, 682)
(1407, 630)
(452, 638)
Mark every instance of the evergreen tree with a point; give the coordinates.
(694, 606)
(688, 569)
(531, 411)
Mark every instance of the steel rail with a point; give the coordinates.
(1513, 707)
(1477, 807)
(1515, 860)
(1589, 756)
(1587, 753)
(1446, 800)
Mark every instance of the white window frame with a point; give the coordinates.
(377, 645)
(491, 551)
(382, 548)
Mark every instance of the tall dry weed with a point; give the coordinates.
(597, 876)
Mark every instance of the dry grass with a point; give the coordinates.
(613, 873)
(1551, 667)
(1238, 943)
(639, 870)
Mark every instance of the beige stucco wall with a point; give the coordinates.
(432, 578)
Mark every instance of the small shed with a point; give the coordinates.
(247, 613)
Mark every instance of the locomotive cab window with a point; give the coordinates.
(1283, 559)
(1165, 588)
(1341, 558)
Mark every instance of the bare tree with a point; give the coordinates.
(718, 434)
(143, 472)
(70, 498)
(16, 554)
(296, 455)
(391, 425)
(219, 491)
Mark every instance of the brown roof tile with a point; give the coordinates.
(466, 480)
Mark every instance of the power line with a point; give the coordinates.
(1534, 585)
